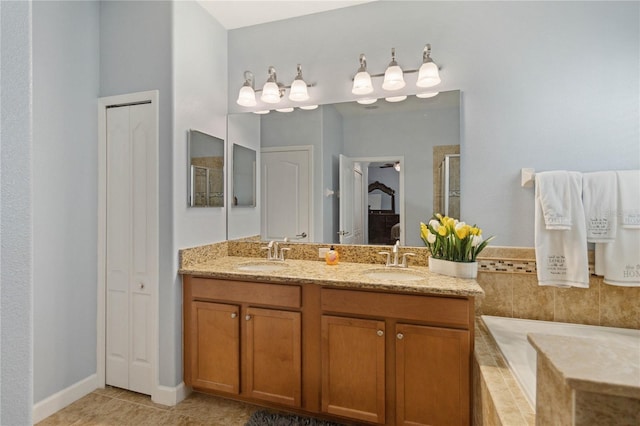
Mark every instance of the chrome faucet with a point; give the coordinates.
(395, 250)
(274, 252)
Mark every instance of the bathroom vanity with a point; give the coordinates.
(342, 342)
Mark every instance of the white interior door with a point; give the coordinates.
(346, 231)
(286, 193)
(358, 204)
(131, 246)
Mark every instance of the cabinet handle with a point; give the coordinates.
(234, 315)
(141, 286)
(247, 317)
(380, 333)
(400, 336)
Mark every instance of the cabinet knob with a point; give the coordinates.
(141, 286)
(400, 336)
(380, 333)
(247, 317)
(234, 315)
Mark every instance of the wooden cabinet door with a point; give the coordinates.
(215, 347)
(432, 376)
(353, 368)
(273, 368)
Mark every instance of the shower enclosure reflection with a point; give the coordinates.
(206, 170)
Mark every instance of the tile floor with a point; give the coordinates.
(112, 406)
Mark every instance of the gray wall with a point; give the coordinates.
(244, 129)
(16, 209)
(549, 85)
(332, 147)
(199, 66)
(65, 90)
(135, 56)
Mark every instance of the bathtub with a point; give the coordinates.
(510, 335)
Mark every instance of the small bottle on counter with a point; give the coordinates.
(332, 257)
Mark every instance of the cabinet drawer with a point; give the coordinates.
(444, 311)
(245, 292)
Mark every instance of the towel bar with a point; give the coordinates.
(527, 177)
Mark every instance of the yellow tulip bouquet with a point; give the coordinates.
(449, 239)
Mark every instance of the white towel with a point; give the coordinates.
(553, 191)
(561, 243)
(599, 197)
(629, 193)
(622, 255)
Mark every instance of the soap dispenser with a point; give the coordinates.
(332, 257)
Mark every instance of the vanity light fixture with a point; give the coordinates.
(393, 76)
(428, 74)
(362, 81)
(273, 90)
(247, 94)
(299, 91)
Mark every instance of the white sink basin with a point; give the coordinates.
(264, 266)
(394, 275)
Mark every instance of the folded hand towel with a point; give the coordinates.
(552, 189)
(561, 248)
(629, 193)
(599, 198)
(622, 255)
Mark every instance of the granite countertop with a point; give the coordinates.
(589, 365)
(349, 275)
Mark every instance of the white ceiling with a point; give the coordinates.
(243, 13)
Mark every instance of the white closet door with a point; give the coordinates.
(131, 246)
(286, 194)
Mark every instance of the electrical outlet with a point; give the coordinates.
(322, 251)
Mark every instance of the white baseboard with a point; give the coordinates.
(59, 400)
(170, 396)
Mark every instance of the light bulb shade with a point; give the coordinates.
(362, 84)
(367, 101)
(264, 111)
(426, 95)
(309, 107)
(270, 93)
(286, 109)
(246, 97)
(396, 98)
(299, 91)
(393, 78)
(428, 75)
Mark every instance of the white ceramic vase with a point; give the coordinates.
(453, 269)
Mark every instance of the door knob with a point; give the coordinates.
(303, 235)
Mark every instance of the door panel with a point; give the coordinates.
(346, 200)
(131, 246)
(215, 351)
(285, 194)
(432, 375)
(274, 356)
(353, 368)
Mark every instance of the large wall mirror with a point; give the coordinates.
(243, 181)
(394, 144)
(205, 183)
